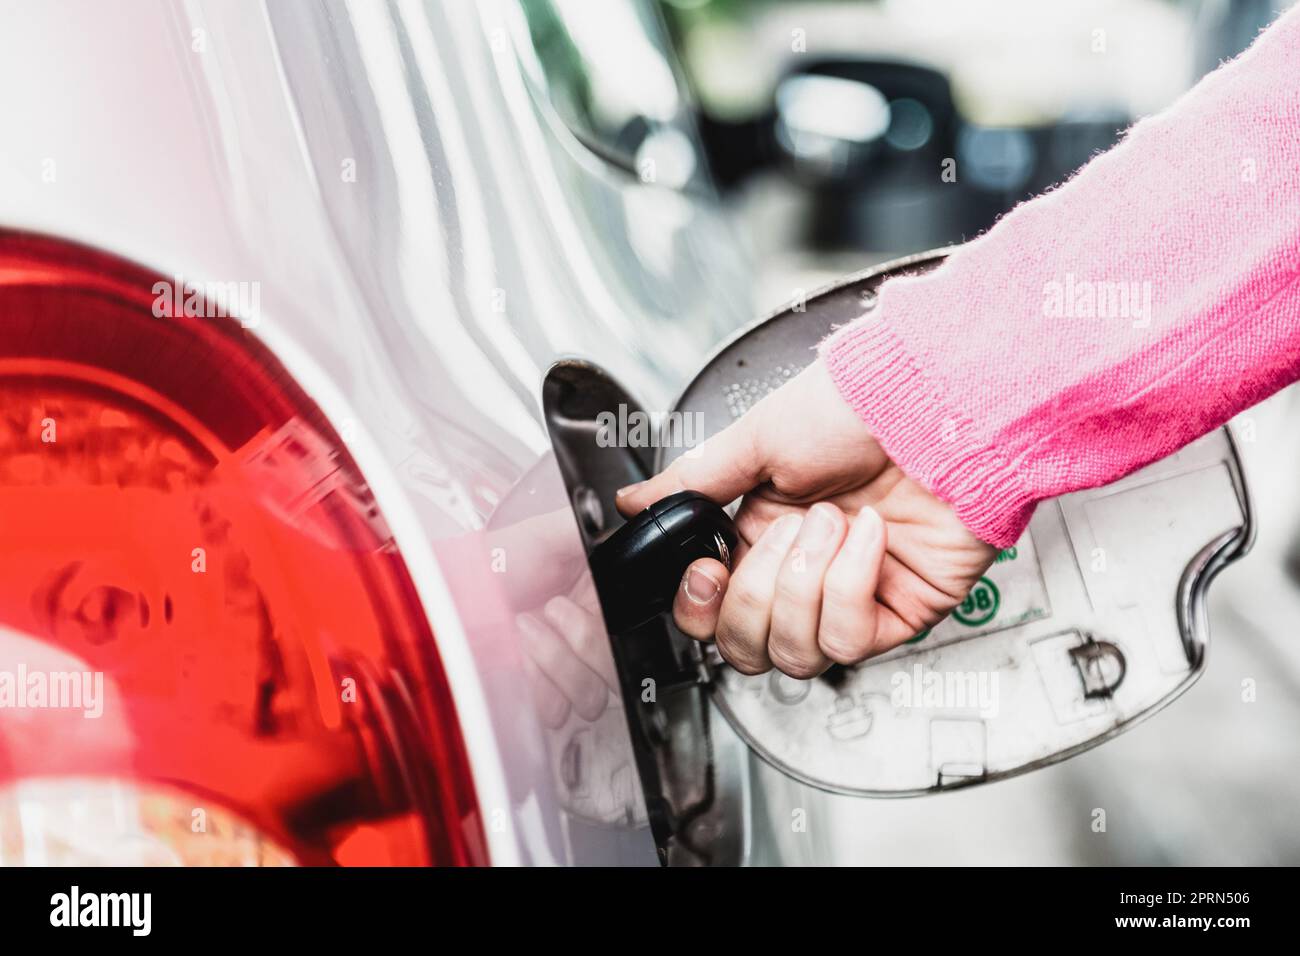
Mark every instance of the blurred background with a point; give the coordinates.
(830, 154)
(827, 131)
(827, 124)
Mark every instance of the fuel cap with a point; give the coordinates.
(637, 569)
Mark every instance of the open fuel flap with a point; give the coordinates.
(1094, 620)
(692, 778)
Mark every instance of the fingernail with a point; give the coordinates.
(865, 530)
(818, 527)
(871, 518)
(699, 587)
(782, 533)
(628, 489)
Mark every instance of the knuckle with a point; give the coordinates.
(794, 587)
(741, 653)
(674, 479)
(844, 648)
(843, 587)
(915, 613)
(790, 660)
(747, 666)
(845, 618)
(746, 598)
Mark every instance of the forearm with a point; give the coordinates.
(1105, 324)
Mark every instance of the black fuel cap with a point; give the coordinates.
(637, 568)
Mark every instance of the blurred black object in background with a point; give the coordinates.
(906, 126)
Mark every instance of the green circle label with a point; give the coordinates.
(980, 605)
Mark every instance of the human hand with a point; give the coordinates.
(842, 556)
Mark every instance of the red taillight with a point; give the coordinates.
(178, 517)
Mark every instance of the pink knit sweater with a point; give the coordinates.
(1107, 323)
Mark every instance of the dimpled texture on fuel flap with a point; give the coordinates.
(743, 395)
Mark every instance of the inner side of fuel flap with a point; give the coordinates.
(671, 733)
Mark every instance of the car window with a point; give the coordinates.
(607, 70)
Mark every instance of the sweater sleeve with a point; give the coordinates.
(1107, 323)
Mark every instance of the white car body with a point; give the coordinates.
(425, 242)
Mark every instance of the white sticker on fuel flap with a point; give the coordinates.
(1011, 592)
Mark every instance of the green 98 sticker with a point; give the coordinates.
(980, 605)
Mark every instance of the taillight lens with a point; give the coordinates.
(96, 821)
(183, 527)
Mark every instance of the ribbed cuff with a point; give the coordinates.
(930, 441)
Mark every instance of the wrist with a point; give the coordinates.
(917, 428)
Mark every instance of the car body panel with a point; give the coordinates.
(427, 242)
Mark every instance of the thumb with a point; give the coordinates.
(722, 469)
